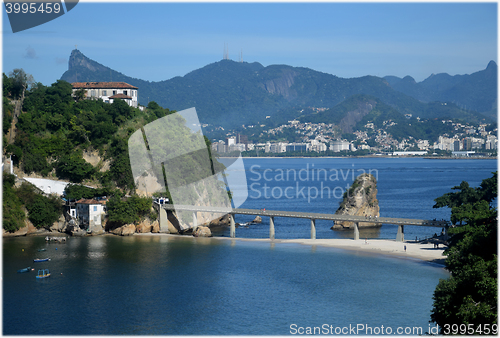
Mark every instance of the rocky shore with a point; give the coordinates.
(62, 227)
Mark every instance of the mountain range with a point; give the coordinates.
(231, 94)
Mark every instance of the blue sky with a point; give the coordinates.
(156, 41)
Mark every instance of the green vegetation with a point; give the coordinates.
(56, 129)
(470, 296)
(13, 213)
(52, 133)
(78, 191)
(130, 210)
(42, 211)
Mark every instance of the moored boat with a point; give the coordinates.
(43, 273)
(28, 269)
(36, 260)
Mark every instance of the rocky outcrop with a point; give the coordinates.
(359, 200)
(202, 231)
(144, 227)
(363, 108)
(60, 225)
(257, 219)
(281, 83)
(221, 221)
(155, 227)
(126, 230)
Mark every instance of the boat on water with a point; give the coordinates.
(43, 273)
(40, 250)
(36, 260)
(28, 269)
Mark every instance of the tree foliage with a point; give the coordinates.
(469, 296)
(78, 191)
(74, 168)
(13, 214)
(42, 211)
(130, 210)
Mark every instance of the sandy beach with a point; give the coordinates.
(425, 252)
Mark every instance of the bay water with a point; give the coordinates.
(163, 285)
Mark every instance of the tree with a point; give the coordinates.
(469, 296)
(79, 94)
(128, 211)
(74, 168)
(42, 211)
(12, 213)
(20, 82)
(8, 114)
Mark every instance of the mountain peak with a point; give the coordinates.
(77, 59)
(491, 65)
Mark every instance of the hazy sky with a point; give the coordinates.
(159, 40)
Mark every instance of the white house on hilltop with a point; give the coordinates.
(109, 91)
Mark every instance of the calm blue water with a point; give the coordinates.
(406, 188)
(185, 286)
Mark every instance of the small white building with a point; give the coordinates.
(109, 91)
(90, 213)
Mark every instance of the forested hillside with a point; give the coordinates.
(55, 129)
(53, 133)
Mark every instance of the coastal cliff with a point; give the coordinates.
(359, 200)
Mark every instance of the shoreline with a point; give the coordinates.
(423, 252)
(376, 156)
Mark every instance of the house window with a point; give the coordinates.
(95, 207)
(104, 93)
(125, 92)
(114, 92)
(92, 93)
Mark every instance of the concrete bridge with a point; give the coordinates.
(400, 222)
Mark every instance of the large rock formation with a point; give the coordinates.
(202, 231)
(359, 200)
(125, 230)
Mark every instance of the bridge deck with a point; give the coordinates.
(308, 215)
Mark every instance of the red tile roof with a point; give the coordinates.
(91, 201)
(102, 85)
(120, 96)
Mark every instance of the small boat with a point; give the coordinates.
(40, 250)
(28, 269)
(43, 273)
(36, 260)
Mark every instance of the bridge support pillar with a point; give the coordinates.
(163, 220)
(400, 237)
(313, 228)
(356, 231)
(232, 231)
(271, 228)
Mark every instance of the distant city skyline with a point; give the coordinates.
(157, 41)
